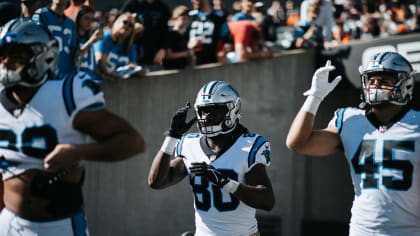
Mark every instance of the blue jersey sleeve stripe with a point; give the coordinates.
(339, 121)
(68, 94)
(78, 223)
(257, 144)
(95, 107)
(179, 146)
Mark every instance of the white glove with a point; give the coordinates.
(320, 87)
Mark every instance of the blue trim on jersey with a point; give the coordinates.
(78, 223)
(4, 164)
(68, 94)
(257, 144)
(339, 122)
(95, 107)
(179, 146)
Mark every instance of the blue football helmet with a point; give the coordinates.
(220, 96)
(41, 45)
(401, 70)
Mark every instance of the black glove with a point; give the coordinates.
(209, 172)
(178, 124)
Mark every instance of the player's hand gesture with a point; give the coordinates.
(178, 122)
(320, 86)
(63, 156)
(209, 172)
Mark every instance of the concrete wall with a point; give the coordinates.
(118, 199)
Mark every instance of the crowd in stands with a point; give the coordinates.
(146, 35)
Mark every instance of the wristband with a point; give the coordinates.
(169, 145)
(231, 186)
(311, 104)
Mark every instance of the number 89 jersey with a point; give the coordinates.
(217, 212)
(47, 120)
(385, 169)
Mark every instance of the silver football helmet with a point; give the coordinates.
(396, 65)
(219, 95)
(40, 43)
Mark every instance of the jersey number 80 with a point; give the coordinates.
(202, 189)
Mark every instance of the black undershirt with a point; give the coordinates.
(10, 105)
(375, 122)
(235, 134)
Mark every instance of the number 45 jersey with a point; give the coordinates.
(47, 120)
(385, 169)
(218, 212)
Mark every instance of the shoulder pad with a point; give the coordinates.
(193, 12)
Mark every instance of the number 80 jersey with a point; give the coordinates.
(217, 212)
(385, 169)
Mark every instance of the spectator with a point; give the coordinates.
(351, 21)
(117, 50)
(205, 31)
(219, 5)
(8, 11)
(292, 14)
(155, 16)
(109, 18)
(310, 35)
(370, 28)
(277, 13)
(247, 40)
(86, 39)
(236, 6)
(71, 11)
(325, 15)
(178, 56)
(247, 7)
(30, 6)
(266, 23)
(340, 37)
(64, 30)
(415, 22)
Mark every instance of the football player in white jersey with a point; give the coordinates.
(381, 142)
(225, 163)
(44, 130)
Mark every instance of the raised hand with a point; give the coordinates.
(320, 87)
(178, 122)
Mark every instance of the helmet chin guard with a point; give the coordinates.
(217, 94)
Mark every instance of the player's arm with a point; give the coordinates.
(115, 140)
(301, 137)
(165, 172)
(257, 192)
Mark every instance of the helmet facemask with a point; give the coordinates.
(387, 64)
(223, 105)
(34, 41)
(399, 94)
(215, 119)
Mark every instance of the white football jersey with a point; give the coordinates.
(47, 120)
(218, 212)
(385, 169)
